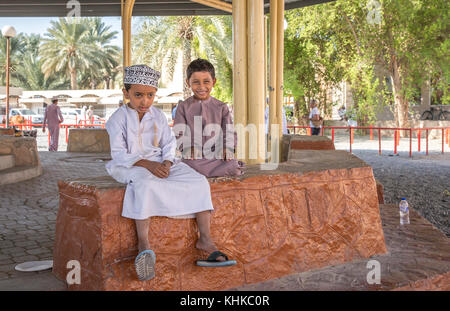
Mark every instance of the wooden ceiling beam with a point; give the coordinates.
(217, 4)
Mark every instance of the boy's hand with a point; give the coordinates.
(156, 168)
(167, 165)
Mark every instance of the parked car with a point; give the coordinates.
(27, 114)
(74, 116)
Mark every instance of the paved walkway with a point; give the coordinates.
(28, 209)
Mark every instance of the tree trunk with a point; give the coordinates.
(401, 102)
(73, 79)
(186, 60)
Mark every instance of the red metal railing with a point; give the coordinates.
(445, 135)
(28, 125)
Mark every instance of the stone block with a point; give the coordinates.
(298, 217)
(305, 142)
(24, 150)
(19, 159)
(6, 161)
(95, 140)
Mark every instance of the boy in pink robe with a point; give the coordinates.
(53, 117)
(203, 126)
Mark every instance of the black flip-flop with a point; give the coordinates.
(213, 262)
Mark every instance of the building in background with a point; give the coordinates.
(14, 94)
(104, 102)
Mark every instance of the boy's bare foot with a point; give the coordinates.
(208, 247)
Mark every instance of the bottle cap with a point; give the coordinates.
(403, 199)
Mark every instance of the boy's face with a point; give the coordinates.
(201, 84)
(141, 97)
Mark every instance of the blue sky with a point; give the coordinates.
(39, 25)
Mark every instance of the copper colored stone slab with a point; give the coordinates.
(305, 142)
(418, 258)
(273, 223)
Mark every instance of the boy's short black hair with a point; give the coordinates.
(200, 65)
(127, 87)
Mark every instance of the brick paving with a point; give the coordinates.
(28, 209)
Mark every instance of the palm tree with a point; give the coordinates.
(101, 36)
(16, 51)
(161, 38)
(31, 77)
(69, 48)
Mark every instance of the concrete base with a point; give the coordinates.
(19, 173)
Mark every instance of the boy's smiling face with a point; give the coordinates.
(141, 97)
(201, 83)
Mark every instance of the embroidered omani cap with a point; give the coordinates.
(141, 74)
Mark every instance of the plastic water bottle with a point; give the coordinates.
(404, 212)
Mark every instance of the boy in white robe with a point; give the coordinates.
(143, 156)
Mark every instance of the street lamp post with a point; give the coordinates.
(8, 32)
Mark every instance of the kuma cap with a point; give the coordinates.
(141, 74)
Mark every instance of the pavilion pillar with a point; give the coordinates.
(273, 116)
(280, 66)
(127, 14)
(249, 79)
(276, 63)
(255, 68)
(240, 75)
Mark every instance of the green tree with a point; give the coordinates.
(312, 59)
(406, 39)
(160, 39)
(31, 77)
(72, 46)
(29, 74)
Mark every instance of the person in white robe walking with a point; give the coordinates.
(158, 184)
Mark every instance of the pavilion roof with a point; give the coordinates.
(58, 8)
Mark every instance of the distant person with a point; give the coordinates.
(83, 113)
(315, 120)
(342, 113)
(54, 117)
(90, 114)
(351, 118)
